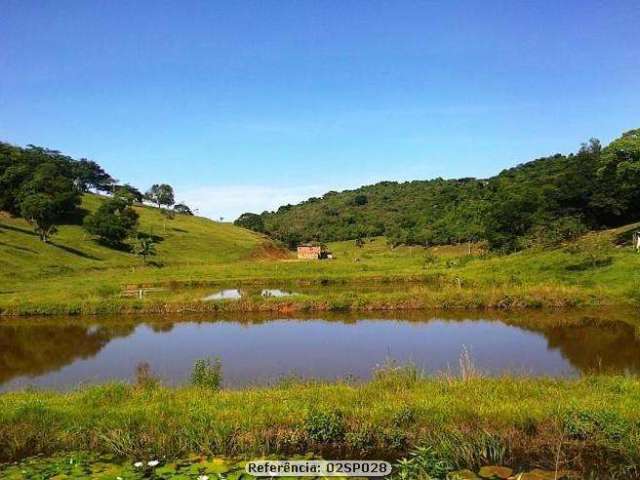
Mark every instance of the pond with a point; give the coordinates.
(65, 352)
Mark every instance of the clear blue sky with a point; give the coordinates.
(243, 105)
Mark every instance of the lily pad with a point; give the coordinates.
(495, 472)
(538, 474)
(216, 465)
(463, 475)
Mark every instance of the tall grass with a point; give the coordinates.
(465, 422)
(468, 369)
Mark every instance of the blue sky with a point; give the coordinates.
(245, 105)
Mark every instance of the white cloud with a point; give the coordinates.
(229, 201)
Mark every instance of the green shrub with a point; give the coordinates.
(362, 438)
(422, 463)
(207, 373)
(405, 416)
(584, 425)
(113, 222)
(396, 438)
(325, 426)
(430, 260)
(402, 375)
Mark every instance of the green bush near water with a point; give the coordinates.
(207, 373)
(325, 426)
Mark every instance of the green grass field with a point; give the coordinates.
(75, 274)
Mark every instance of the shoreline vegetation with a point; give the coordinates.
(407, 299)
(589, 425)
(429, 292)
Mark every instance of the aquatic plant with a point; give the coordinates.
(207, 373)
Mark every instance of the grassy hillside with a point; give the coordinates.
(185, 239)
(73, 260)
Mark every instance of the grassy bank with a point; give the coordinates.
(587, 424)
(411, 296)
(197, 256)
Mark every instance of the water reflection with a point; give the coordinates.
(226, 294)
(31, 349)
(236, 293)
(275, 292)
(63, 353)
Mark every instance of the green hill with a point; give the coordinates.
(28, 264)
(184, 240)
(541, 202)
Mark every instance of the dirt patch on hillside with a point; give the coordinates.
(270, 251)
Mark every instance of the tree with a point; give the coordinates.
(619, 176)
(146, 246)
(182, 209)
(113, 222)
(541, 201)
(11, 181)
(40, 211)
(251, 221)
(43, 195)
(360, 200)
(88, 174)
(509, 219)
(291, 239)
(161, 195)
(128, 190)
(32, 170)
(49, 179)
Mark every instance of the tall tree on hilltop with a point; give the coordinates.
(46, 197)
(88, 174)
(161, 195)
(129, 191)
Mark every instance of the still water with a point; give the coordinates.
(65, 352)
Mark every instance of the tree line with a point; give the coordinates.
(45, 188)
(542, 202)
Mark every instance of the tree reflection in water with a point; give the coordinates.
(34, 349)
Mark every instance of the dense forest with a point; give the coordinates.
(544, 201)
